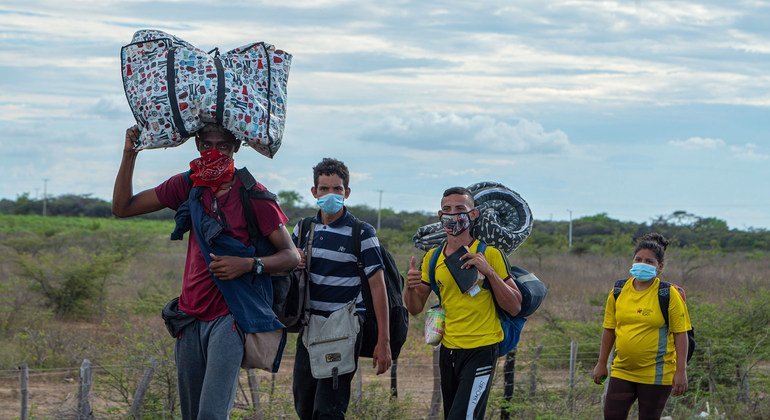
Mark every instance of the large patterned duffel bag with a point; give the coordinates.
(174, 89)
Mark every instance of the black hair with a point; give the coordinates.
(653, 241)
(331, 166)
(461, 191)
(217, 128)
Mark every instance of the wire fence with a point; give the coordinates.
(412, 390)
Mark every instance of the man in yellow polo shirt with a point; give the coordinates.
(472, 331)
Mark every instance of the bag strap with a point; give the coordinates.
(308, 256)
(356, 238)
(176, 115)
(366, 293)
(432, 270)
(664, 297)
(304, 229)
(304, 226)
(246, 195)
(618, 288)
(220, 88)
(481, 247)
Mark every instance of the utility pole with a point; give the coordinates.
(570, 228)
(379, 211)
(45, 196)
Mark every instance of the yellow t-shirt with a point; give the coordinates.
(644, 348)
(471, 321)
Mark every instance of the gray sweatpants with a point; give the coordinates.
(208, 361)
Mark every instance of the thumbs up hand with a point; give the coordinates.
(414, 275)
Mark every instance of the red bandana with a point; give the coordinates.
(212, 169)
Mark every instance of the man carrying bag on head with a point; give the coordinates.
(210, 348)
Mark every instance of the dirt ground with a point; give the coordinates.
(54, 393)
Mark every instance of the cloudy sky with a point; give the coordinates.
(632, 108)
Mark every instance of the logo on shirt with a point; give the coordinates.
(644, 311)
(341, 249)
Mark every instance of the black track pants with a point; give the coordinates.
(466, 378)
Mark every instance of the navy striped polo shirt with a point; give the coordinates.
(334, 279)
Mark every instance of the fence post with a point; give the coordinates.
(533, 371)
(394, 379)
(359, 384)
(710, 370)
(84, 406)
(24, 379)
(609, 372)
(743, 383)
(508, 384)
(435, 399)
(136, 405)
(254, 391)
(573, 348)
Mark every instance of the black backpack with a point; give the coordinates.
(394, 285)
(664, 297)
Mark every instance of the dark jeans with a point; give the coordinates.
(466, 378)
(621, 395)
(316, 398)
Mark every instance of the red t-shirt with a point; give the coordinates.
(200, 296)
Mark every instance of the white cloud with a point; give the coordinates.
(552, 97)
(697, 143)
(749, 151)
(496, 162)
(359, 176)
(110, 106)
(473, 134)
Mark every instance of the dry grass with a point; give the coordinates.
(131, 331)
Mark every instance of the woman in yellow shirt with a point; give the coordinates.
(650, 357)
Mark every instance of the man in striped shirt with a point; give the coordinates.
(335, 282)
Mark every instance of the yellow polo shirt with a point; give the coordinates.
(644, 348)
(471, 321)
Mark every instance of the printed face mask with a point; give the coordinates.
(212, 169)
(331, 203)
(643, 272)
(455, 223)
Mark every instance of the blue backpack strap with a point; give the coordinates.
(664, 297)
(481, 248)
(432, 270)
(511, 325)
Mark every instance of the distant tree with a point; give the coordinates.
(290, 199)
(710, 224)
(682, 218)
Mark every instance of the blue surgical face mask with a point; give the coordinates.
(643, 272)
(331, 203)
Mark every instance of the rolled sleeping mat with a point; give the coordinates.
(504, 221)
